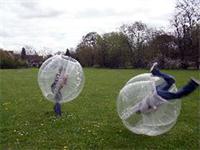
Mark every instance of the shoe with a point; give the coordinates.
(57, 109)
(195, 80)
(154, 66)
(173, 80)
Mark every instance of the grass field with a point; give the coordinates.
(90, 121)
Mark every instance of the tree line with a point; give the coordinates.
(137, 45)
(134, 45)
(9, 60)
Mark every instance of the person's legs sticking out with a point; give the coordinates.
(182, 92)
(169, 80)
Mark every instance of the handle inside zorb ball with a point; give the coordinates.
(154, 122)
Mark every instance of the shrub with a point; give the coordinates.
(8, 60)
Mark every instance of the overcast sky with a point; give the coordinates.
(60, 24)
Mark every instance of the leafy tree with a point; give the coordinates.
(115, 50)
(137, 35)
(90, 39)
(86, 50)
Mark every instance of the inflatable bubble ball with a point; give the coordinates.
(154, 122)
(61, 78)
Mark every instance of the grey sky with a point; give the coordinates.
(60, 24)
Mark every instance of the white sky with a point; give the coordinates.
(60, 24)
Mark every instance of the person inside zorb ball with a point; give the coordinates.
(149, 103)
(60, 79)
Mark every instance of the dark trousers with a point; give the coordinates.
(162, 90)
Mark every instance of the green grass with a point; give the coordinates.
(90, 121)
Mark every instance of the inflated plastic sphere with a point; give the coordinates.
(61, 78)
(153, 123)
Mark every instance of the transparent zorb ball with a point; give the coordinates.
(61, 78)
(152, 123)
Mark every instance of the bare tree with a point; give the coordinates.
(186, 19)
